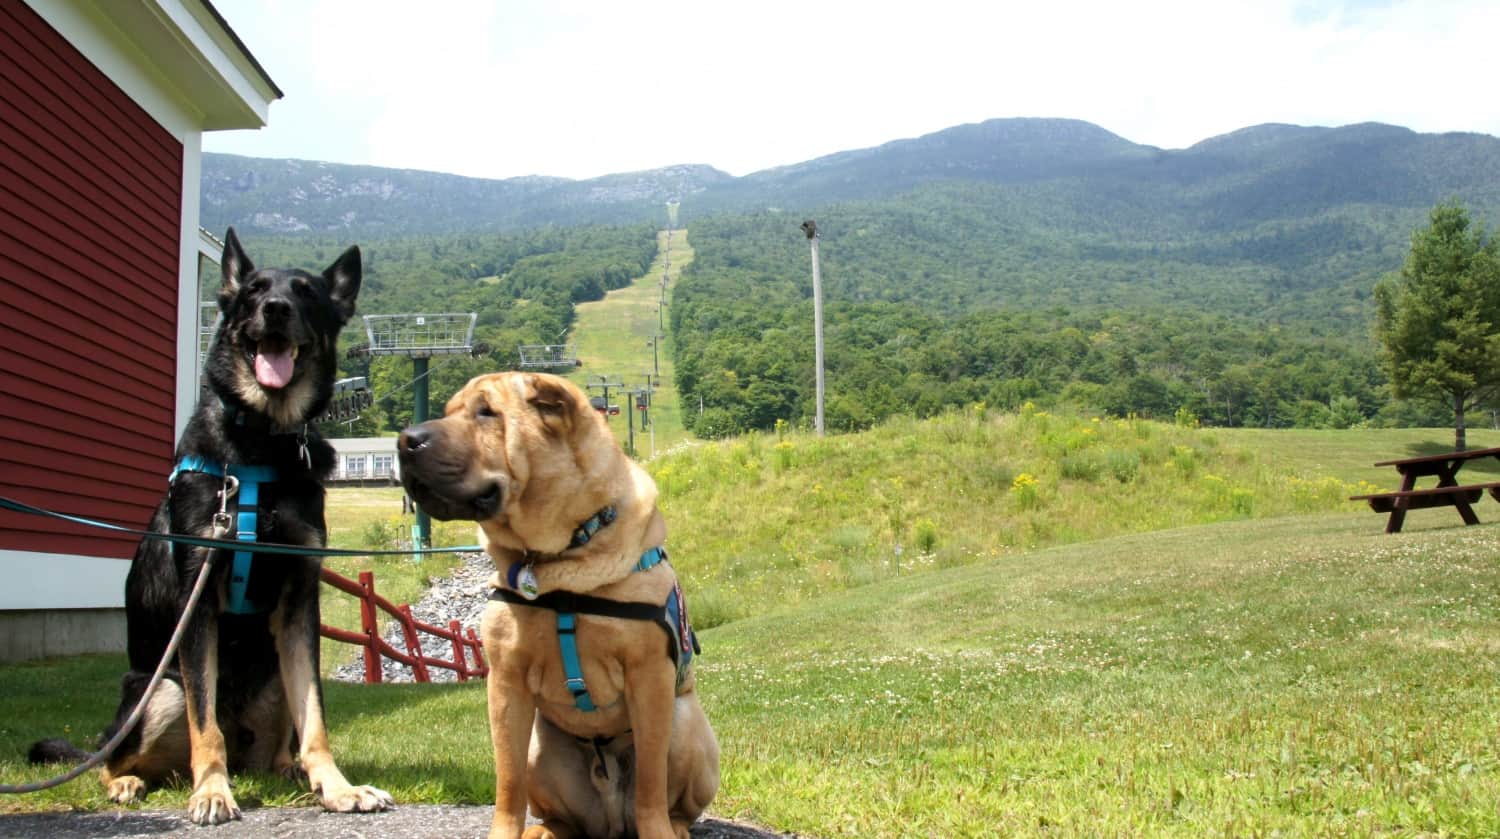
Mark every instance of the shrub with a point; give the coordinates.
(926, 536)
(783, 451)
(1082, 466)
(387, 534)
(1025, 490)
(1217, 491)
(1242, 501)
(849, 537)
(1311, 496)
(710, 607)
(1124, 466)
(1185, 458)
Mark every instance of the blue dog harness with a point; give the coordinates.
(247, 511)
(671, 616)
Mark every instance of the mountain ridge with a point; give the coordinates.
(1244, 176)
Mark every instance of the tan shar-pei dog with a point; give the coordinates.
(592, 710)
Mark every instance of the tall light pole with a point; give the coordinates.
(810, 228)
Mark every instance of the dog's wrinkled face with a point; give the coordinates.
(277, 344)
(513, 450)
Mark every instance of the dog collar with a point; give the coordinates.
(521, 576)
(586, 531)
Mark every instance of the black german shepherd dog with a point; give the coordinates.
(246, 687)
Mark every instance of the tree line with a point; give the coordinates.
(953, 318)
(926, 311)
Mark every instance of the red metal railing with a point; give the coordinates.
(376, 647)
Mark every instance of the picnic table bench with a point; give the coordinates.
(1447, 493)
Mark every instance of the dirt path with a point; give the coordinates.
(410, 822)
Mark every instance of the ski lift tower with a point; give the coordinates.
(420, 337)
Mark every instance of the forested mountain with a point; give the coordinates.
(1011, 260)
(1074, 170)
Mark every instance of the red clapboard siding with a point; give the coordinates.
(90, 209)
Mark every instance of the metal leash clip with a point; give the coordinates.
(223, 522)
(302, 452)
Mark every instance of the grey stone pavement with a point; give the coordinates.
(404, 822)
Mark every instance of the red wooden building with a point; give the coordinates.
(103, 105)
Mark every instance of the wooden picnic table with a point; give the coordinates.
(1447, 493)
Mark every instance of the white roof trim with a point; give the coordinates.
(181, 46)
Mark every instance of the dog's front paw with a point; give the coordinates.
(361, 799)
(212, 802)
(126, 789)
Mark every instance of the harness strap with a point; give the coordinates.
(246, 521)
(567, 632)
(247, 505)
(670, 616)
(566, 602)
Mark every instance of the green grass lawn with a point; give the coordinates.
(1165, 631)
(613, 336)
(1303, 676)
(1297, 676)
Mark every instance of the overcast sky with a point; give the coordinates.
(501, 88)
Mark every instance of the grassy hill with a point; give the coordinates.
(762, 521)
(614, 339)
(1301, 676)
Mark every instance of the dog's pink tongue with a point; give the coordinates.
(273, 369)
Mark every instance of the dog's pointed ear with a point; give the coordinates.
(235, 267)
(555, 400)
(343, 281)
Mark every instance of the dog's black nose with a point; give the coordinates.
(413, 439)
(276, 309)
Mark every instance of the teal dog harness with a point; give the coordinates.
(671, 616)
(247, 504)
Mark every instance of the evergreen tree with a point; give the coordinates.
(1439, 322)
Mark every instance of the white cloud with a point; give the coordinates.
(585, 88)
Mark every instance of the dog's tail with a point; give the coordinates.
(56, 750)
